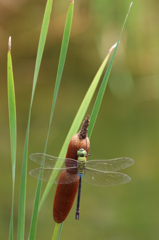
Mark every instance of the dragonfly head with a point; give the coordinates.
(81, 153)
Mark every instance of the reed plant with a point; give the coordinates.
(38, 203)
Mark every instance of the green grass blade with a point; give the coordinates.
(44, 30)
(13, 128)
(77, 121)
(104, 84)
(62, 58)
(21, 215)
(56, 231)
(59, 232)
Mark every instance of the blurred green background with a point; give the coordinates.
(127, 124)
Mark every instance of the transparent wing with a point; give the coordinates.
(52, 162)
(104, 178)
(110, 164)
(60, 176)
(54, 168)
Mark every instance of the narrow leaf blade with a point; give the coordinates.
(44, 29)
(104, 84)
(12, 125)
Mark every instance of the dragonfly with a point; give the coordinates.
(96, 172)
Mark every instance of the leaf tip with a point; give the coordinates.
(9, 43)
(72, 1)
(130, 7)
(114, 46)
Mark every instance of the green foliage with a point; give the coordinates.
(75, 125)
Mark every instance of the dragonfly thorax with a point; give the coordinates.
(81, 164)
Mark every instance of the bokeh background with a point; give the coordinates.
(128, 120)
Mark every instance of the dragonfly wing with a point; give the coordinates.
(110, 164)
(48, 161)
(54, 175)
(105, 178)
